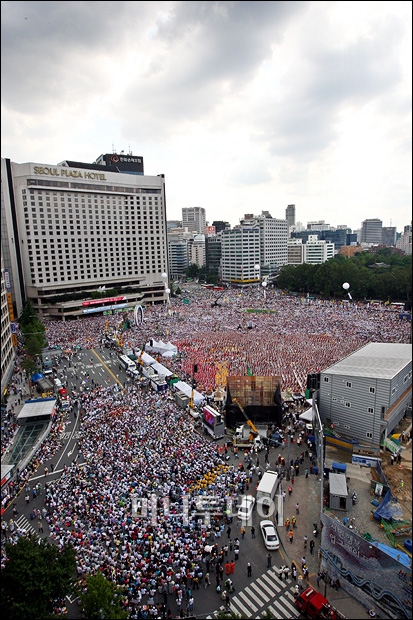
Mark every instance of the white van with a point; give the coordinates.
(58, 383)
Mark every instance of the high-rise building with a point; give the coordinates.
(76, 228)
(220, 225)
(404, 243)
(389, 236)
(213, 254)
(273, 242)
(194, 219)
(316, 251)
(240, 254)
(290, 215)
(7, 318)
(371, 231)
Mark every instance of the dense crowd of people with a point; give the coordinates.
(136, 503)
(289, 337)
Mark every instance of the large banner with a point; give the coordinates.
(364, 570)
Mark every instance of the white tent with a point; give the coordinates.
(160, 347)
(161, 370)
(186, 389)
(307, 416)
(148, 360)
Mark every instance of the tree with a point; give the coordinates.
(101, 599)
(28, 314)
(37, 576)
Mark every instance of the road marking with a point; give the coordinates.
(260, 591)
(248, 602)
(266, 587)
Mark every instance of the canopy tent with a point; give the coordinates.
(161, 347)
(307, 416)
(187, 390)
(161, 370)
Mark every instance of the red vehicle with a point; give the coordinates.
(64, 398)
(315, 606)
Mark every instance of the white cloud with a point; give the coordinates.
(244, 106)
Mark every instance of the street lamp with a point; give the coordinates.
(164, 276)
(264, 287)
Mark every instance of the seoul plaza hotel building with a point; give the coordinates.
(71, 229)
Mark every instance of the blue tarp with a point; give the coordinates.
(388, 509)
(396, 554)
(37, 377)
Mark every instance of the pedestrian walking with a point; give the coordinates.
(291, 536)
(229, 532)
(243, 532)
(318, 579)
(227, 601)
(40, 526)
(15, 511)
(236, 553)
(297, 508)
(252, 532)
(294, 521)
(312, 543)
(232, 567)
(269, 560)
(305, 541)
(27, 498)
(249, 569)
(206, 580)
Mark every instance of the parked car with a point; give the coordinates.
(269, 534)
(246, 508)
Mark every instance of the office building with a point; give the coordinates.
(290, 215)
(389, 236)
(404, 243)
(240, 253)
(371, 231)
(74, 228)
(316, 251)
(193, 218)
(7, 326)
(273, 242)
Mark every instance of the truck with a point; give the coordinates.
(267, 489)
(244, 438)
(315, 606)
(248, 435)
(212, 422)
(45, 387)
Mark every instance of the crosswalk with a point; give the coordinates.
(266, 592)
(24, 525)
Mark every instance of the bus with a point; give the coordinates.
(127, 363)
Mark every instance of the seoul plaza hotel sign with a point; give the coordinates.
(69, 173)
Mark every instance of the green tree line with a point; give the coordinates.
(384, 276)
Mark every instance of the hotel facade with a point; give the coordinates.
(72, 229)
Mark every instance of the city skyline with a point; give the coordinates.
(243, 106)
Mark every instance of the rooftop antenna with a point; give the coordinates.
(130, 152)
(113, 148)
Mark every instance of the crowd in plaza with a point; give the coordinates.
(287, 336)
(135, 503)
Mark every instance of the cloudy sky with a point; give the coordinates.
(244, 106)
